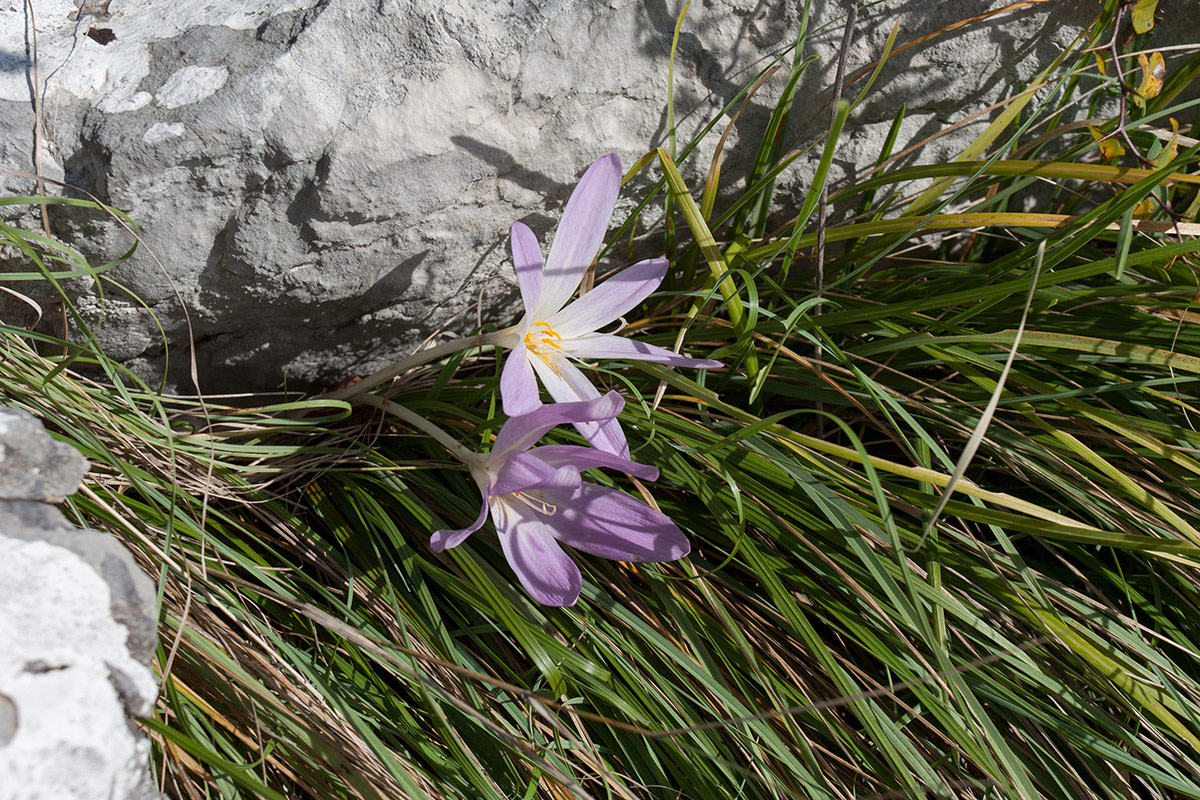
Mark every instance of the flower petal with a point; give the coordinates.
(610, 300)
(518, 387)
(611, 524)
(445, 538)
(606, 345)
(580, 234)
(527, 261)
(566, 383)
(581, 458)
(546, 572)
(525, 472)
(522, 432)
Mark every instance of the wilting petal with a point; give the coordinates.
(527, 261)
(566, 383)
(581, 458)
(610, 300)
(518, 387)
(522, 432)
(523, 472)
(580, 233)
(445, 538)
(605, 345)
(611, 524)
(546, 572)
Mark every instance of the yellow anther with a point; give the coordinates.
(550, 332)
(541, 506)
(542, 334)
(533, 344)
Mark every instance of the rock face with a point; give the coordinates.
(328, 182)
(77, 628)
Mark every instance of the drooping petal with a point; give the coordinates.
(580, 233)
(524, 472)
(582, 458)
(566, 383)
(527, 261)
(611, 524)
(522, 432)
(518, 387)
(546, 572)
(445, 538)
(610, 300)
(606, 345)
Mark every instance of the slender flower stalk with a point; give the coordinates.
(537, 499)
(447, 441)
(553, 335)
(423, 356)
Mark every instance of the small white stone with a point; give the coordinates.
(118, 103)
(161, 131)
(190, 85)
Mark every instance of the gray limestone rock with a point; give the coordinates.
(77, 634)
(325, 183)
(32, 465)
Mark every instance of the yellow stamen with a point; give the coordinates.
(547, 337)
(549, 509)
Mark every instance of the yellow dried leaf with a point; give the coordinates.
(1143, 15)
(1100, 65)
(1109, 146)
(1171, 149)
(1154, 70)
(1168, 153)
(1145, 208)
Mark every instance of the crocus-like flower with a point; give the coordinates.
(537, 498)
(549, 336)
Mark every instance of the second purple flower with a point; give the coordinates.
(537, 499)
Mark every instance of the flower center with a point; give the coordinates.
(542, 340)
(537, 504)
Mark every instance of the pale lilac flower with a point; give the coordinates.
(537, 499)
(550, 337)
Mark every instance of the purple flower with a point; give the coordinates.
(537, 499)
(549, 337)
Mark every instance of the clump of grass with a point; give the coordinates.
(828, 637)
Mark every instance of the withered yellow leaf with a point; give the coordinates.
(1143, 15)
(1154, 71)
(1170, 149)
(1145, 208)
(1109, 146)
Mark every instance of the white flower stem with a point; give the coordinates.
(467, 457)
(356, 391)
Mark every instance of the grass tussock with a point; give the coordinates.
(844, 627)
